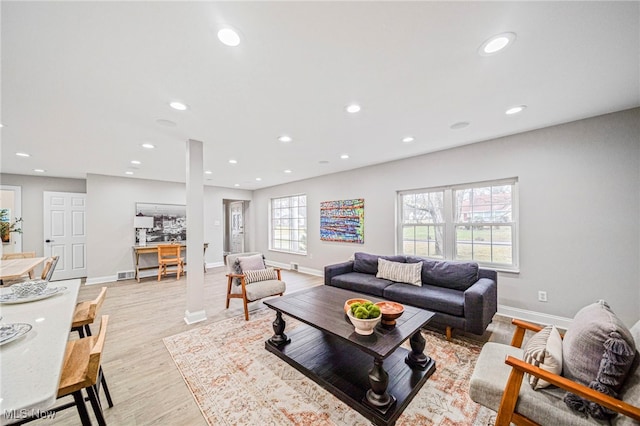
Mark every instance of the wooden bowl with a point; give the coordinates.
(391, 311)
(347, 304)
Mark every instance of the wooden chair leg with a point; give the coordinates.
(509, 398)
(246, 309)
(229, 283)
(449, 333)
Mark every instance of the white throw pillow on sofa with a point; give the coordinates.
(410, 273)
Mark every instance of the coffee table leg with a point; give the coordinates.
(279, 338)
(377, 396)
(416, 358)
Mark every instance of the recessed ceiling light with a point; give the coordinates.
(229, 37)
(233, 161)
(496, 43)
(287, 171)
(136, 162)
(179, 106)
(208, 172)
(515, 109)
(285, 138)
(459, 125)
(344, 156)
(128, 173)
(166, 123)
(39, 170)
(353, 108)
(408, 139)
(236, 184)
(148, 145)
(258, 179)
(23, 154)
(1, 125)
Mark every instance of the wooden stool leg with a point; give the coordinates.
(449, 332)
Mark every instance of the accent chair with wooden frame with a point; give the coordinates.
(497, 383)
(169, 255)
(250, 292)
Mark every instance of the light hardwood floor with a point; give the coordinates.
(145, 385)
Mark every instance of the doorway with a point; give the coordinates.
(235, 230)
(65, 233)
(11, 210)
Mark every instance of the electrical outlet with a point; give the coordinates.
(542, 296)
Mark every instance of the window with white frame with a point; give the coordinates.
(464, 222)
(289, 224)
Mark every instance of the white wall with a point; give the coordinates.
(33, 188)
(110, 210)
(579, 209)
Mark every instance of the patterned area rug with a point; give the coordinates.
(235, 381)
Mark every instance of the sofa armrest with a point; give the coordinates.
(480, 305)
(331, 271)
(506, 412)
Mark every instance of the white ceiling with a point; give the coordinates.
(84, 83)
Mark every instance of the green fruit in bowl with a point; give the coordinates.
(361, 313)
(374, 311)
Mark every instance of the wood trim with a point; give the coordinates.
(585, 392)
(521, 328)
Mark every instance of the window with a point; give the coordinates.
(465, 222)
(289, 224)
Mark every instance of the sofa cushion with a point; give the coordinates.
(368, 263)
(446, 273)
(409, 273)
(599, 352)
(544, 350)
(362, 283)
(432, 298)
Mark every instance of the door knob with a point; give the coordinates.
(48, 241)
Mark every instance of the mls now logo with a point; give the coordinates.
(28, 414)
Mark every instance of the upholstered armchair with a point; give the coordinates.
(506, 377)
(250, 279)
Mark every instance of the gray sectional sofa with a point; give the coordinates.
(462, 295)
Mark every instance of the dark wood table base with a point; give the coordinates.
(356, 378)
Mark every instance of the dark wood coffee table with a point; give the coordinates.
(372, 374)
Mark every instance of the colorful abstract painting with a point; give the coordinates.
(342, 221)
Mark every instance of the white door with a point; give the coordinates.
(65, 233)
(237, 227)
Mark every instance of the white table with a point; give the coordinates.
(30, 366)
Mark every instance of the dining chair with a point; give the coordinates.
(49, 268)
(83, 316)
(82, 370)
(20, 255)
(169, 255)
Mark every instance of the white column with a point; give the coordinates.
(195, 311)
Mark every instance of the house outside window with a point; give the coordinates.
(475, 222)
(288, 224)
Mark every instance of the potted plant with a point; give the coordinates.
(7, 227)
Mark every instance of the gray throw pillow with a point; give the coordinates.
(251, 263)
(598, 351)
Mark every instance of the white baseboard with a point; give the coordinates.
(101, 280)
(287, 267)
(143, 274)
(535, 317)
(214, 264)
(194, 317)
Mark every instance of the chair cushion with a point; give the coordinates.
(261, 289)
(409, 273)
(251, 263)
(260, 275)
(544, 350)
(598, 351)
(544, 406)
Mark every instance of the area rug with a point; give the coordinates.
(235, 381)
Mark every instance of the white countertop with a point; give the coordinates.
(30, 366)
